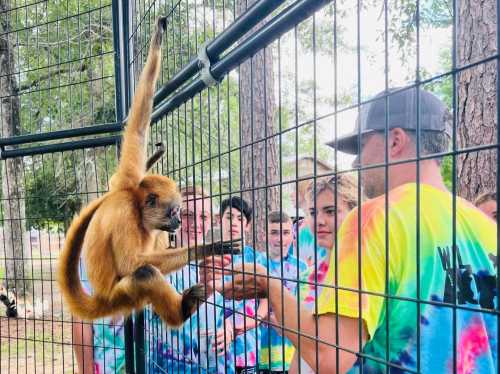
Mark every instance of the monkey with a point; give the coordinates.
(119, 231)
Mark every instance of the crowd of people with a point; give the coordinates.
(375, 276)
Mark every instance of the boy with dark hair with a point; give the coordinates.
(276, 351)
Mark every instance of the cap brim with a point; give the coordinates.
(348, 143)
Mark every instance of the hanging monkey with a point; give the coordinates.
(119, 230)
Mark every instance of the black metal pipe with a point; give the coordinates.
(283, 22)
(117, 46)
(140, 353)
(255, 14)
(127, 83)
(129, 346)
(61, 147)
(62, 134)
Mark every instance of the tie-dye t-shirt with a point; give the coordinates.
(468, 281)
(245, 345)
(109, 339)
(187, 349)
(317, 259)
(272, 342)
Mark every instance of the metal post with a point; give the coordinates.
(129, 345)
(121, 23)
(119, 50)
(140, 366)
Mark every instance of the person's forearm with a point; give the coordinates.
(290, 319)
(262, 309)
(83, 347)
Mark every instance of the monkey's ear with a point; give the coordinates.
(156, 156)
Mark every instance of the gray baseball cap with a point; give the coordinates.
(402, 113)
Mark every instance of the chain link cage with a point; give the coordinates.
(350, 147)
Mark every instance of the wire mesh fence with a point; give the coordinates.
(344, 144)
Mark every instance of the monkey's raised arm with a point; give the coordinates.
(132, 165)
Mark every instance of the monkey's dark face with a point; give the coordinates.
(160, 203)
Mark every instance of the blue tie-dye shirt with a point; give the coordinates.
(245, 345)
(272, 343)
(109, 339)
(177, 350)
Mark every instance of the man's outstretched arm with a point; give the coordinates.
(294, 319)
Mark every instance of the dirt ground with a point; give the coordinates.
(41, 344)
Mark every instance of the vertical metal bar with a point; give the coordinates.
(118, 45)
(418, 150)
(127, 46)
(129, 346)
(454, 182)
(125, 99)
(497, 103)
(358, 249)
(335, 157)
(140, 364)
(386, 160)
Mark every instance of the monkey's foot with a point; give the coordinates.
(190, 299)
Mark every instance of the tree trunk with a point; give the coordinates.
(258, 156)
(476, 119)
(17, 264)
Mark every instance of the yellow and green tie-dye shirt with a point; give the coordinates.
(442, 283)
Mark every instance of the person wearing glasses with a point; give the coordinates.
(412, 286)
(190, 348)
(276, 351)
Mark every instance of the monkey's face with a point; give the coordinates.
(160, 203)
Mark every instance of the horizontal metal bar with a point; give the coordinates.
(61, 147)
(283, 22)
(220, 43)
(62, 134)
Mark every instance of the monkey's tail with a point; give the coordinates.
(79, 302)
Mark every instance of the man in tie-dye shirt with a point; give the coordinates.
(413, 285)
(276, 351)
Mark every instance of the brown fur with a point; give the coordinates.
(124, 259)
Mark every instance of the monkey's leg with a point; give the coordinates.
(169, 260)
(147, 284)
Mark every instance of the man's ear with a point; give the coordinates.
(399, 143)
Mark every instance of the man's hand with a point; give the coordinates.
(224, 340)
(250, 281)
(212, 270)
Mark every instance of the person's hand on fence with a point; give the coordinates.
(224, 337)
(250, 281)
(212, 271)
